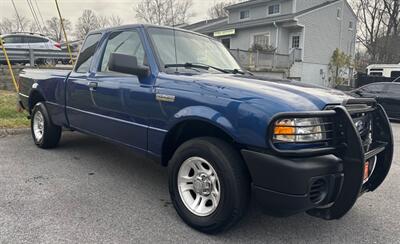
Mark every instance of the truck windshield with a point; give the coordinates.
(190, 49)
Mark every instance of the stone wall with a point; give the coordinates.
(5, 77)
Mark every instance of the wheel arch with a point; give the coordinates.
(192, 127)
(34, 97)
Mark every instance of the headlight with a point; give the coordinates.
(299, 130)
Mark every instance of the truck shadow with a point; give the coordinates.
(120, 165)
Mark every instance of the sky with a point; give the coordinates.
(72, 9)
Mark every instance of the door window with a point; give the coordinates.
(295, 41)
(87, 52)
(124, 42)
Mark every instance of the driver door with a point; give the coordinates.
(120, 99)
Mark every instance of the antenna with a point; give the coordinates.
(173, 29)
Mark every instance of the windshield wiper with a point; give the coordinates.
(235, 71)
(196, 65)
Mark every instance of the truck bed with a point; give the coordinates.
(50, 83)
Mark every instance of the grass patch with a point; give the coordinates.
(9, 116)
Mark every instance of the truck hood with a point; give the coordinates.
(293, 95)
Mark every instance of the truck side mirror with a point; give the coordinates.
(126, 64)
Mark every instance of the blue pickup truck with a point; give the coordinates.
(181, 99)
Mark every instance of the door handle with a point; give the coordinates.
(92, 85)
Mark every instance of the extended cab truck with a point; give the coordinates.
(181, 99)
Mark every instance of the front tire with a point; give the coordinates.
(44, 133)
(209, 184)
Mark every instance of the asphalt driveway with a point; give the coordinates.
(90, 191)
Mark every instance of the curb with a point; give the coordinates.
(17, 131)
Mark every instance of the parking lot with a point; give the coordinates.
(91, 191)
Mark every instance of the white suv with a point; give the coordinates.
(29, 41)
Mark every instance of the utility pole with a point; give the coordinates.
(65, 33)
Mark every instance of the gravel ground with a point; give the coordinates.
(90, 191)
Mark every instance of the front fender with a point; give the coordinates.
(206, 114)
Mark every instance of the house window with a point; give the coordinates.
(274, 9)
(350, 25)
(338, 13)
(295, 41)
(261, 40)
(244, 14)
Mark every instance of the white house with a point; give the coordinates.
(305, 32)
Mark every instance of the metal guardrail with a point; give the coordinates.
(18, 55)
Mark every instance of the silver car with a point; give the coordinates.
(29, 41)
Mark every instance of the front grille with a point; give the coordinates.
(361, 115)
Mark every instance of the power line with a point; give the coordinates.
(35, 19)
(19, 20)
(40, 13)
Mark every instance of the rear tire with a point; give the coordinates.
(219, 178)
(44, 133)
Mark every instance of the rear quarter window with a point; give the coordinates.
(34, 39)
(86, 54)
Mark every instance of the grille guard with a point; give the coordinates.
(351, 151)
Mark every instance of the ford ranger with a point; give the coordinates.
(181, 99)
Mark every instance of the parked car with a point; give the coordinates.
(181, 99)
(24, 40)
(385, 93)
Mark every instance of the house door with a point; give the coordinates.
(226, 42)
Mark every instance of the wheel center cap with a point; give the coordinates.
(202, 184)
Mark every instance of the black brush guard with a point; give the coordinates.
(351, 150)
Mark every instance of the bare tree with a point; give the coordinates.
(392, 9)
(379, 22)
(33, 27)
(7, 26)
(164, 12)
(15, 24)
(86, 23)
(370, 14)
(115, 20)
(390, 44)
(218, 10)
(53, 28)
(22, 23)
(103, 21)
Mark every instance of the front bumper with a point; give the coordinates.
(285, 186)
(326, 182)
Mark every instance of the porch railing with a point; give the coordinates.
(266, 60)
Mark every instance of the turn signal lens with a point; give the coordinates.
(284, 130)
